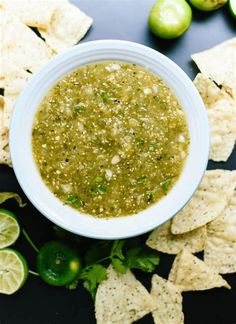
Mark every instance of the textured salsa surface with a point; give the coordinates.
(110, 139)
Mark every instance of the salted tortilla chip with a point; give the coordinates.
(161, 239)
(219, 64)
(190, 273)
(68, 26)
(168, 302)
(221, 110)
(15, 81)
(9, 105)
(121, 298)
(34, 13)
(210, 199)
(21, 47)
(220, 251)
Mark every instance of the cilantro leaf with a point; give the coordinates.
(118, 265)
(92, 276)
(116, 250)
(97, 252)
(141, 257)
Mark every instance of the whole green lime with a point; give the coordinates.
(58, 263)
(208, 5)
(170, 18)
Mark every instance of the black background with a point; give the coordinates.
(37, 303)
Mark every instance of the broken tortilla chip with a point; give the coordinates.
(33, 13)
(190, 273)
(67, 27)
(21, 47)
(168, 302)
(220, 251)
(219, 64)
(221, 110)
(121, 298)
(210, 199)
(161, 239)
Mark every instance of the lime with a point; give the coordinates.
(170, 18)
(9, 228)
(58, 264)
(13, 271)
(232, 7)
(208, 5)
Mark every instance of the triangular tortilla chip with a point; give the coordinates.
(219, 64)
(221, 110)
(121, 298)
(190, 273)
(168, 300)
(161, 239)
(21, 47)
(33, 13)
(210, 199)
(220, 251)
(67, 27)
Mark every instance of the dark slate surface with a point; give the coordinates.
(37, 303)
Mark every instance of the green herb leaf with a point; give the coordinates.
(118, 265)
(74, 200)
(141, 141)
(141, 257)
(116, 250)
(98, 252)
(4, 196)
(105, 96)
(165, 184)
(80, 107)
(73, 285)
(92, 276)
(141, 180)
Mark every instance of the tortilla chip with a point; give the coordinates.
(34, 13)
(219, 64)
(220, 251)
(9, 105)
(190, 273)
(67, 27)
(210, 199)
(168, 301)
(221, 110)
(161, 239)
(121, 298)
(21, 47)
(15, 81)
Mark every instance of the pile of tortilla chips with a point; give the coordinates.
(23, 51)
(217, 86)
(207, 223)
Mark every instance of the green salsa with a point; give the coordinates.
(110, 139)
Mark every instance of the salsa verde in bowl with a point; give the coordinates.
(112, 129)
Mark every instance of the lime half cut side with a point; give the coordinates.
(232, 7)
(9, 228)
(13, 271)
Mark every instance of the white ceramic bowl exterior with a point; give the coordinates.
(27, 172)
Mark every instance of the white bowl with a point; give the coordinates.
(26, 170)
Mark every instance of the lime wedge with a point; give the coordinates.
(13, 271)
(232, 7)
(9, 228)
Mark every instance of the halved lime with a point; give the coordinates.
(58, 263)
(232, 7)
(13, 271)
(9, 228)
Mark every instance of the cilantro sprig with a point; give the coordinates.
(122, 254)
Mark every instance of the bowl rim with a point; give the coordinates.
(45, 201)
